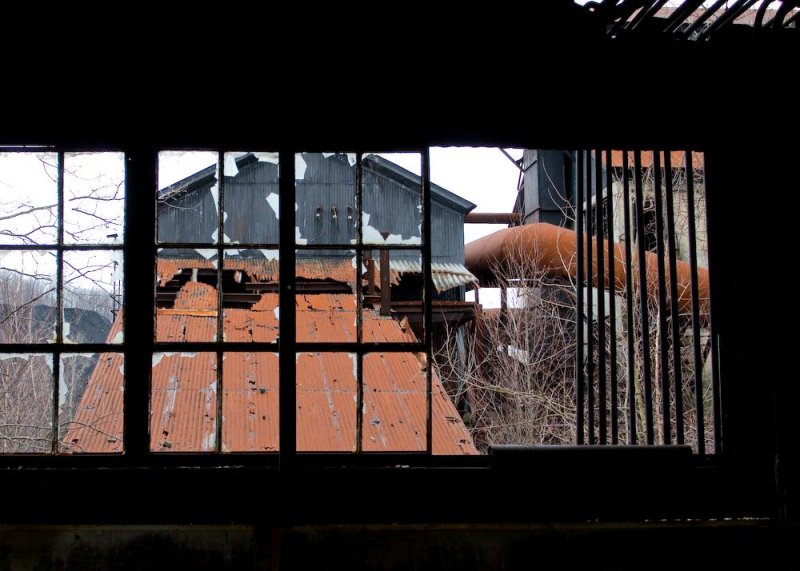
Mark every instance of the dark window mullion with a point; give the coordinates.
(359, 307)
(427, 298)
(59, 338)
(220, 333)
(287, 412)
(141, 169)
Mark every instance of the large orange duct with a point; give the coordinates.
(553, 250)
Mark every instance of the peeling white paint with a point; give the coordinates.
(351, 158)
(66, 328)
(299, 167)
(267, 157)
(297, 237)
(274, 202)
(327, 155)
(231, 169)
(122, 372)
(119, 337)
(3, 254)
(277, 311)
(214, 190)
(48, 359)
(157, 358)
(369, 234)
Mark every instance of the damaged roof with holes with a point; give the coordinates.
(445, 276)
(184, 391)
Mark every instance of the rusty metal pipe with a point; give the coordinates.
(493, 218)
(554, 251)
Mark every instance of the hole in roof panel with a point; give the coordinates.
(392, 199)
(94, 198)
(28, 198)
(326, 198)
(92, 296)
(251, 198)
(250, 417)
(90, 403)
(28, 304)
(26, 408)
(186, 295)
(188, 197)
(326, 402)
(183, 402)
(250, 295)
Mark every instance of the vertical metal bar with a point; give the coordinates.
(220, 262)
(612, 301)
(643, 296)
(697, 381)
(59, 298)
(602, 377)
(590, 300)
(360, 254)
(630, 338)
(673, 301)
(579, 281)
(386, 287)
(287, 325)
(663, 336)
(714, 354)
(427, 297)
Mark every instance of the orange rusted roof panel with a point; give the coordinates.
(184, 390)
(677, 158)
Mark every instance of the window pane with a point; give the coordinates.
(251, 198)
(392, 199)
(326, 198)
(188, 197)
(250, 402)
(392, 296)
(325, 300)
(26, 403)
(326, 402)
(28, 198)
(250, 295)
(92, 296)
(394, 402)
(186, 295)
(27, 296)
(94, 198)
(90, 402)
(183, 402)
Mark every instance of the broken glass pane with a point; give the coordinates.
(26, 403)
(391, 292)
(27, 296)
(92, 296)
(250, 295)
(186, 295)
(392, 199)
(90, 403)
(188, 197)
(251, 202)
(183, 402)
(250, 402)
(28, 198)
(94, 198)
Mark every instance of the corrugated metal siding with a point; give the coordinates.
(393, 207)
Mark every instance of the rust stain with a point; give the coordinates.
(184, 391)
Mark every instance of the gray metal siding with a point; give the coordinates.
(328, 183)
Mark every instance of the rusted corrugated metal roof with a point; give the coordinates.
(183, 403)
(677, 158)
